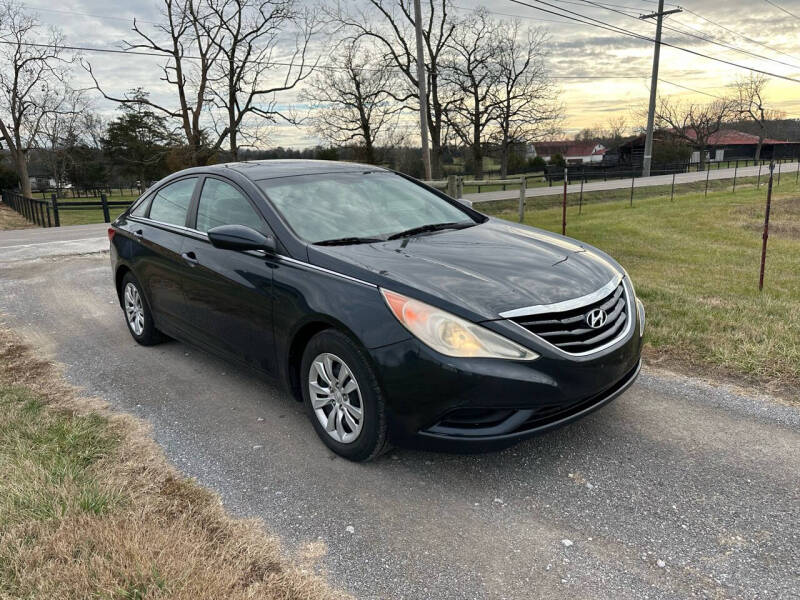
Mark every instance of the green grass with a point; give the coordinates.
(89, 507)
(46, 461)
(85, 216)
(695, 264)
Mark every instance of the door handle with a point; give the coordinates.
(138, 234)
(190, 257)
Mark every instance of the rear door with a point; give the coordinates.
(160, 229)
(229, 293)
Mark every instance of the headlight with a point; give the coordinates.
(451, 335)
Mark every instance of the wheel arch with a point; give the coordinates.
(300, 340)
(119, 275)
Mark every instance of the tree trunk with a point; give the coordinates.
(758, 147)
(477, 157)
(504, 157)
(234, 145)
(22, 173)
(702, 158)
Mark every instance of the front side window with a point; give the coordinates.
(375, 204)
(222, 204)
(171, 203)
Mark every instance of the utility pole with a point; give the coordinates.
(423, 93)
(651, 112)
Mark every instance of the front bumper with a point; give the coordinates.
(483, 404)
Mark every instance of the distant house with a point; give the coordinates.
(573, 152)
(725, 145)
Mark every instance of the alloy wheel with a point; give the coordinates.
(336, 397)
(134, 311)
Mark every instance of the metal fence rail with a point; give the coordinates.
(46, 212)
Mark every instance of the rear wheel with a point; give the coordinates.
(342, 397)
(137, 312)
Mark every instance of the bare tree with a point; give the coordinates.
(617, 128)
(190, 50)
(752, 105)
(527, 106)
(60, 132)
(694, 123)
(248, 75)
(352, 99)
(31, 83)
(471, 73)
(390, 24)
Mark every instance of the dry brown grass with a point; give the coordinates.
(11, 219)
(90, 508)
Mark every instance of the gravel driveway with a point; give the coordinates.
(675, 490)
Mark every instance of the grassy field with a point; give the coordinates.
(91, 215)
(89, 508)
(695, 264)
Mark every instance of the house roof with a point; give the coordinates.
(731, 137)
(724, 137)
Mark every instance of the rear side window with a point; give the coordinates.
(171, 203)
(140, 210)
(222, 204)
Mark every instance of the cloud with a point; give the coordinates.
(575, 50)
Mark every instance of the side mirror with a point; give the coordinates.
(240, 237)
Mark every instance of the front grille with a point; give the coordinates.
(570, 331)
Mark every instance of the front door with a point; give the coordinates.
(229, 293)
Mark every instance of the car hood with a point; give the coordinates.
(486, 269)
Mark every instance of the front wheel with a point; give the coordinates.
(342, 397)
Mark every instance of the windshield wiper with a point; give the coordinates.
(345, 241)
(431, 227)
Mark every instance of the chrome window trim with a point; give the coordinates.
(301, 263)
(566, 305)
(632, 318)
(180, 228)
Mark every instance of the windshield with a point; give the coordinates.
(357, 206)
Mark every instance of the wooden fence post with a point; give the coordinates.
(735, 171)
(54, 202)
(451, 186)
(104, 204)
(459, 186)
(522, 187)
(580, 199)
(708, 174)
(758, 181)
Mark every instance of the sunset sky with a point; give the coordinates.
(575, 50)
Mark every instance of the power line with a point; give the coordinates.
(734, 32)
(781, 8)
(686, 87)
(702, 37)
(613, 28)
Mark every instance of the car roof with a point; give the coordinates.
(258, 170)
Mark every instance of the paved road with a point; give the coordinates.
(787, 169)
(675, 490)
(24, 244)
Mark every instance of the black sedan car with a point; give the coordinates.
(394, 312)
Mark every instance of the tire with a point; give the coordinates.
(322, 353)
(142, 328)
